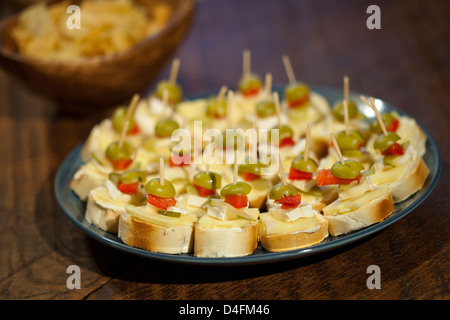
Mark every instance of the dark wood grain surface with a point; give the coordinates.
(406, 63)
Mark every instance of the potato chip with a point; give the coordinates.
(107, 27)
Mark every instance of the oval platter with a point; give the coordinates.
(74, 208)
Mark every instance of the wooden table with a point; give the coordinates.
(406, 63)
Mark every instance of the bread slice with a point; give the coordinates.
(279, 236)
(106, 203)
(229, 238)
(354, 214)
(260, 189)
(88, 177)
(403, 180)
(103, 214)
(151, 231)
(401, 190)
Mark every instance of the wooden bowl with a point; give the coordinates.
(99, 82)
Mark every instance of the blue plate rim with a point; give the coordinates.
(264, 257)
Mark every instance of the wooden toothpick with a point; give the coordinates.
(236, 167)
(221, 94)
(230, 97)
(281, 169)
(380, 119)
(346, 119)
(289, 69)
(246, 66)
(307, 142)
(346, 86)
(207, 162)
(161, 171)
(174, 71)
(276, 100)
(268, 86)
(132, 106)
(372, 105)
(336, 147)
(124, 132)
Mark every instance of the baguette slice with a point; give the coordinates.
(401, 190)
(354, 214)
(87, 178)
(229, 238)
(278, 236)
(103, 210)
(404, 180)
(157, 233)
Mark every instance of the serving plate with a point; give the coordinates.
(74, 208)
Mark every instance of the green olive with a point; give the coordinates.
(284, 132)
(383, 142)
(350, 169)
(155, 188)
(254, 168)
(298, 163)
(279, 191)
(352, 141)
(235, 189)
(338, 110)
(119, 118)
(165, 127)
(217, 109)
(250, 83)
(115, 153)
(387, 120)
(114, 177)
(296, 92)
(133, 176)
(174, 90)
(265, 109)
(210, 181)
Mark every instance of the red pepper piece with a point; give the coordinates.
(237, 201)
(251, 92)
(324, 178)
(121, 164)
(161, 203)
(393, 126)
(394, 150)
(134, 130)
(299, 102)
(295, 174)
(248, 176)
(287, 142)
(128, 187)
(290, 202)
(204, 192)
(180, 161)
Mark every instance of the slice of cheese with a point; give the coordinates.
(223, 211)
(357, 190)
(287, 215)
(388, 175)
(340, 207)
(208, 222)
(271, 225)
(149, 213)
